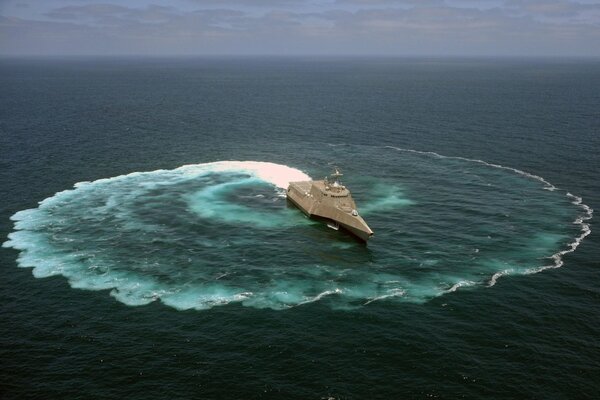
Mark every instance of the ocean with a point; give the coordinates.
(148, 250)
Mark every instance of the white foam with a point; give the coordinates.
(547, 185)
(498, 275)
(39, 254)
(576, 200)
(133, 288)
(320, 296)
(276, 174)
(390, 294)
(460, 284)
(203, 298)
(571, 247)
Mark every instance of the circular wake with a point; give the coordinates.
(212, 234)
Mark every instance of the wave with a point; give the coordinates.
(206, 235)
(575, 200)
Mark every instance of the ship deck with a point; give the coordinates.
(303, 187)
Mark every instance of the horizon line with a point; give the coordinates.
(299, 55)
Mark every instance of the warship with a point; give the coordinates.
(330, 201)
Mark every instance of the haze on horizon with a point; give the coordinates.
(299, 27)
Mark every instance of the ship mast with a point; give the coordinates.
(336, 178)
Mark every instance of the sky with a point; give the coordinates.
(300, 27)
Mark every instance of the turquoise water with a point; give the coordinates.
(211, 234)
(147, 197)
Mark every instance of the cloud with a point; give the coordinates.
(556, 10)
(391, 3)
(107, 14)
(544, 27)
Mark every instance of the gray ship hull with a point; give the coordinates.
(318, 199)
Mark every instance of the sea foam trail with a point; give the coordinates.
(115, 198)
(576, 200)
(276, 174)
(206, 235)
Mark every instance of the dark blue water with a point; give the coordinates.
(202, 282)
